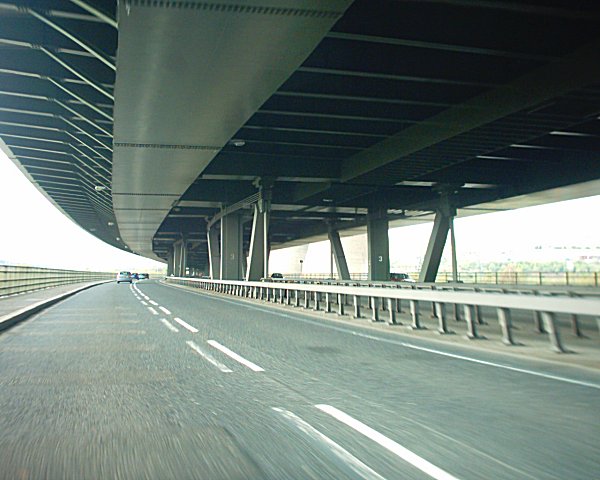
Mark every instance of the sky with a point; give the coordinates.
(35, 233)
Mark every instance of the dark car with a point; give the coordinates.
(277, 275)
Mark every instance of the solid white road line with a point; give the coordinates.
(152, 311)
(153, 302)
(208, 357)
(143, 303)
(354, 463)
(389, 444)
(167, 312)
(169, 325)
(186, 325)
(235, 356)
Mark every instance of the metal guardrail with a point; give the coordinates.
(584, 279)
(323, 296)
(18, 279)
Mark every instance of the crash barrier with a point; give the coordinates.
(584, 279)
(388, 301)
(18, 279)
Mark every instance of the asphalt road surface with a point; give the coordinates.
(152, 381)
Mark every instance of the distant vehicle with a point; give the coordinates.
(135, 276)
(142, 276)
(277, 275)
(124, 277)
(401, 277)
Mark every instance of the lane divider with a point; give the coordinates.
(235, 356)
(353, 463)
(153, 303)
(152, 311)
(186, 325)
(208, 357)
(169, 325)
(143, 303)
(387, 443)
(164, 310)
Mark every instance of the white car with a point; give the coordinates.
(124, 277)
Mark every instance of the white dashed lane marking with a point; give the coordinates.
(209, 358)
(235, 356)
(167, 312)
(353, 463)
(186, 325)
(169, 325)
(152, 311)
(387, 443)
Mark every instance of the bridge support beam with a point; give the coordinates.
(443, 223)
(180, 257)
(171, 262)
(231, 247)
(378, 244)
(214, 253)
(258, 264)
(338, 255)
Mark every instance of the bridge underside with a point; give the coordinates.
(387, 106)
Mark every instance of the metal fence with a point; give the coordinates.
(584, 279)
(328, 297)
(18, 279)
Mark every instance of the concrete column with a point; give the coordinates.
(435, 248)
(258, 262)
(214, 253)
(378, 244)
(338, 255)
(170, 262)
(177, 258)
(184, 257)
(231, 247)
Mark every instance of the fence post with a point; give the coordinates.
(317, 304)
(306, 299)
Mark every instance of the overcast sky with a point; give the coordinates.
(34, 232)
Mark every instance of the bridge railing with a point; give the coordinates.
(16, 279)
(387, 300)
(589, 279)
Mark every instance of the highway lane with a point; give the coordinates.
(152, 381)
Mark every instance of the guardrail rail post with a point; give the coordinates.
(414, 313)
(392, 311)
(340, 304)
(327, 302)
(356, 306)
(505, 320)
(470, 318)
(441, 315)
(552, 329)
(317, 300)
(306, 299)
(374, 309)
